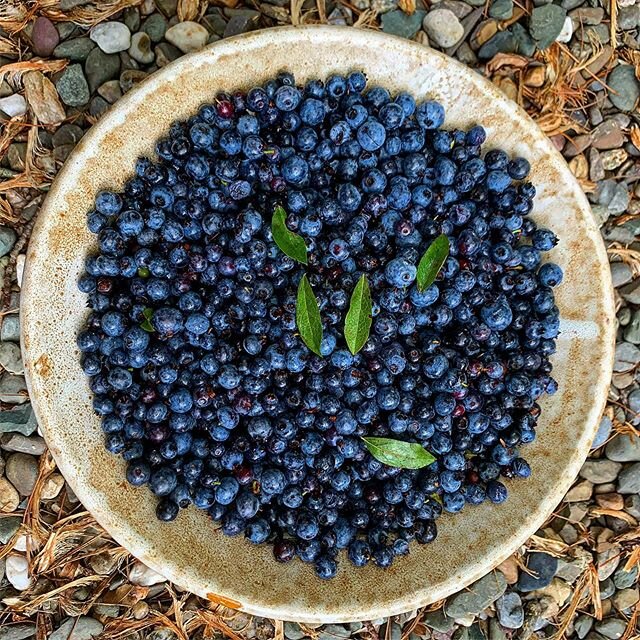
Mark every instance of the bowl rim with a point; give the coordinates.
(403, 602)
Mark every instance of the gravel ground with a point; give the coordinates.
(573, 64)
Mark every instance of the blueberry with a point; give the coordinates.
(371, 135)
(550, 275)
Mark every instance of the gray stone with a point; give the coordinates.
(602, 434)
(625, 579)
(632, 330)
(131, 77)
(293, 631)
(510, 610)
(168, 7)
(67, 134)
(525, 44)
(72, 86)
(22, 471)
(21, 419)
(625, 599)
(501, 9)
(111, 37)
(546, 23)
(439, 621)
(13, 389)
(600, 471)
(19, 631)
(155, 26)
(632, 505)
(607, 588)
(543, 567)
(398, 23)
(81, 628)
(11, 358)
(34, 445)
(101, 67)
(166, 53)
(333, 632)
(612, 628)
(140, 48)
(66, 5)
(620, 273)
(607, 561)
(10, 328)
(477, 597)
(44, 37)
(502, 42)
(629, 479)
(620, 200)
(623, 81)
(240, 24)
(629, 17)
(496, 632)
(8, 527)
(132, 18)
(624, 448)
(8, 238)
(582, 625)
(627, 357)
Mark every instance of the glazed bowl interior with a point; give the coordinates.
(191, 551)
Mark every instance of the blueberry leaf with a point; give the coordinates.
(308, 316)
(357, 323)
(432, 261)
(290, 243)
(147, 313)
(397, 453)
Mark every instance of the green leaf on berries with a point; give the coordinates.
(290, 243)
(308, 316)
(397, 453)
(432, 261)
(357, 324)
(146, 324)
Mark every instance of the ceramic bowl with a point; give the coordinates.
(191, 551)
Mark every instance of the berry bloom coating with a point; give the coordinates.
(199, 375)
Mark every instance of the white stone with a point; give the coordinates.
(21, 543)
(10, 357)
(626, 3)
(443, 27)
(187, 36)
(17, 571)
(567, 31)
(20, 268)
(111, 37)
(14, 106)
(143, 576)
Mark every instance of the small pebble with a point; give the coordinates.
(44, 37)
(9, 497)
(111, 37)
(14, 105)
(143, 576)
(22, 471)
(17, 571)
(140, 48)
(187, 36)
(443, 27)
(17, 442)
(72, 86)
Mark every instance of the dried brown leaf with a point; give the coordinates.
(634, 135)
(555, 548)
(408, 6)
(621, 515)
(191, 9)
(506, 60)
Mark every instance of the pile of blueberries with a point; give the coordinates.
(200, 378)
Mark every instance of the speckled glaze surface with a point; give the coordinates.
(191, 551)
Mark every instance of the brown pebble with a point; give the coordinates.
(509, 568)
(613, 159)
(534, 76)
(577, 145)
(140, 610)
(44, 37)
(482, 33)
(579, 167)
(610, 501)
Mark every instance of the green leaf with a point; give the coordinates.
(146, 324)
(144, 272)
(432, 261)
(357, 323)
(397, 453)
(308, 316)
(291, 244)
